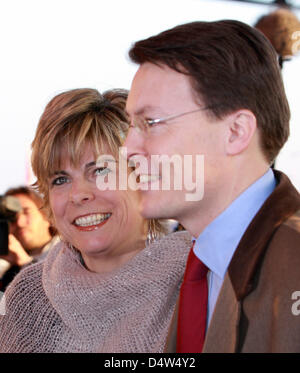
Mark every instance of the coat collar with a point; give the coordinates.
(282, 203)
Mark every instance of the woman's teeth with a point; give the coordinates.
(89, 220)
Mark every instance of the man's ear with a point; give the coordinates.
(241, 129)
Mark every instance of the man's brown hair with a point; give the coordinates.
(232, 66)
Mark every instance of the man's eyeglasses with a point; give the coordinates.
(144, 125)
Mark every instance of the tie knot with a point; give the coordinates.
(195, 268)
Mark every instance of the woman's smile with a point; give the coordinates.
(91, 222)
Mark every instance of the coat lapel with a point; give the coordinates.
(222, 334)
(281, 204)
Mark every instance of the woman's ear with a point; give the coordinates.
(241, 129)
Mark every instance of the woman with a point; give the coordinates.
(104, 287)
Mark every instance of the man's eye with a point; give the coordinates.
(59, 180)
(151, 122)
(102, 171)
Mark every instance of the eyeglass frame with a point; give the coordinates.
(147, 123)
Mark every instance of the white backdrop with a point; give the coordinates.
(50, 46)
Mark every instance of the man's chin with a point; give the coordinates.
(152, 209)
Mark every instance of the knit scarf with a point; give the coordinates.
(66, 308)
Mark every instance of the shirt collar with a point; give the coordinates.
(217, 243)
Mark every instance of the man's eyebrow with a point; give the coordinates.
(143, 110)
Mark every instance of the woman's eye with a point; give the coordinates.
(102, 171)
(59, 180)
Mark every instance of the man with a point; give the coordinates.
(30, 235)
(215, 89)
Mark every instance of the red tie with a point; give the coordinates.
(192, 306)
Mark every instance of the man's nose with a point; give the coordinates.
(134, 143)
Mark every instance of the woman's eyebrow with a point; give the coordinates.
(61, 172)
(90, 164)
(101, 160)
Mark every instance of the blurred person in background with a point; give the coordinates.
(31, 235)
(112, 282)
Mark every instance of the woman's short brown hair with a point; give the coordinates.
(72, 120)
(232, 66)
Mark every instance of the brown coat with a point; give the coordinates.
(253, 312)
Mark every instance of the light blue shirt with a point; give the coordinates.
(217, 243)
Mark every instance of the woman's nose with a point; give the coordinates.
(81, 192)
